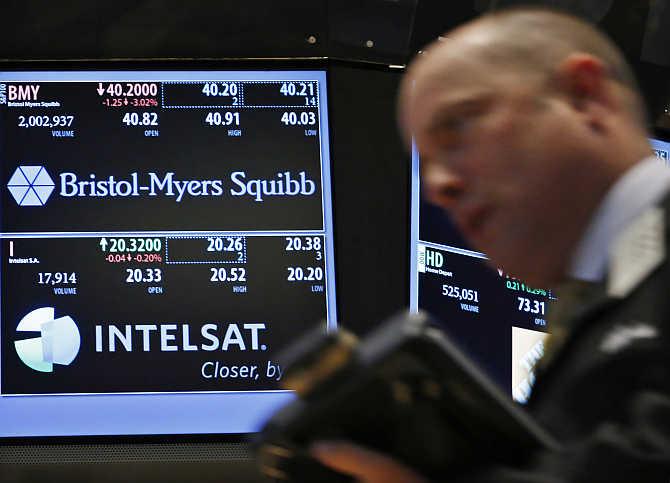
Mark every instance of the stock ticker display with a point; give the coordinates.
(162, 232)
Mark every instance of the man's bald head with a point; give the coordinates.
(540, 38)
(531, 43)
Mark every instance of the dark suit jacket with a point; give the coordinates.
(605, 393)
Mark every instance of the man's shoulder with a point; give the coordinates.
(616, 349)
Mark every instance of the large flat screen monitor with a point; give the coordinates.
(163, 235)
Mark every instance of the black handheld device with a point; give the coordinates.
(405, 390)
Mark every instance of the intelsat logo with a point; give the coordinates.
(30, 186)
(58, 343)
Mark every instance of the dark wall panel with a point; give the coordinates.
(161, 28)
(370, 190)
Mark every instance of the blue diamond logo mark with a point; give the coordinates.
(31, 185)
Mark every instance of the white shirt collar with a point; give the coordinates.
(640, 187)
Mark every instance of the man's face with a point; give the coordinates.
(500, 155)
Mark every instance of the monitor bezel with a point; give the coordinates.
(185, 65)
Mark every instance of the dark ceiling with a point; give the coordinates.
(375, 30)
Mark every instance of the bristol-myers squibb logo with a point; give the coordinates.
(58, 342)
(31, 185)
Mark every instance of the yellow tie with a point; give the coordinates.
(572, 297)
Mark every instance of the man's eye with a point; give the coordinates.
(452, 128)
(450, 135)
(454, 124)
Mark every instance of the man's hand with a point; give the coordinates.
(363, 464)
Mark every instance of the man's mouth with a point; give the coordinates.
(472, 220)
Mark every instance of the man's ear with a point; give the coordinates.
(583, 78)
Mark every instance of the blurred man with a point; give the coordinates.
(532, 136)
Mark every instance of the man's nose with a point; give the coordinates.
(442, 186)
